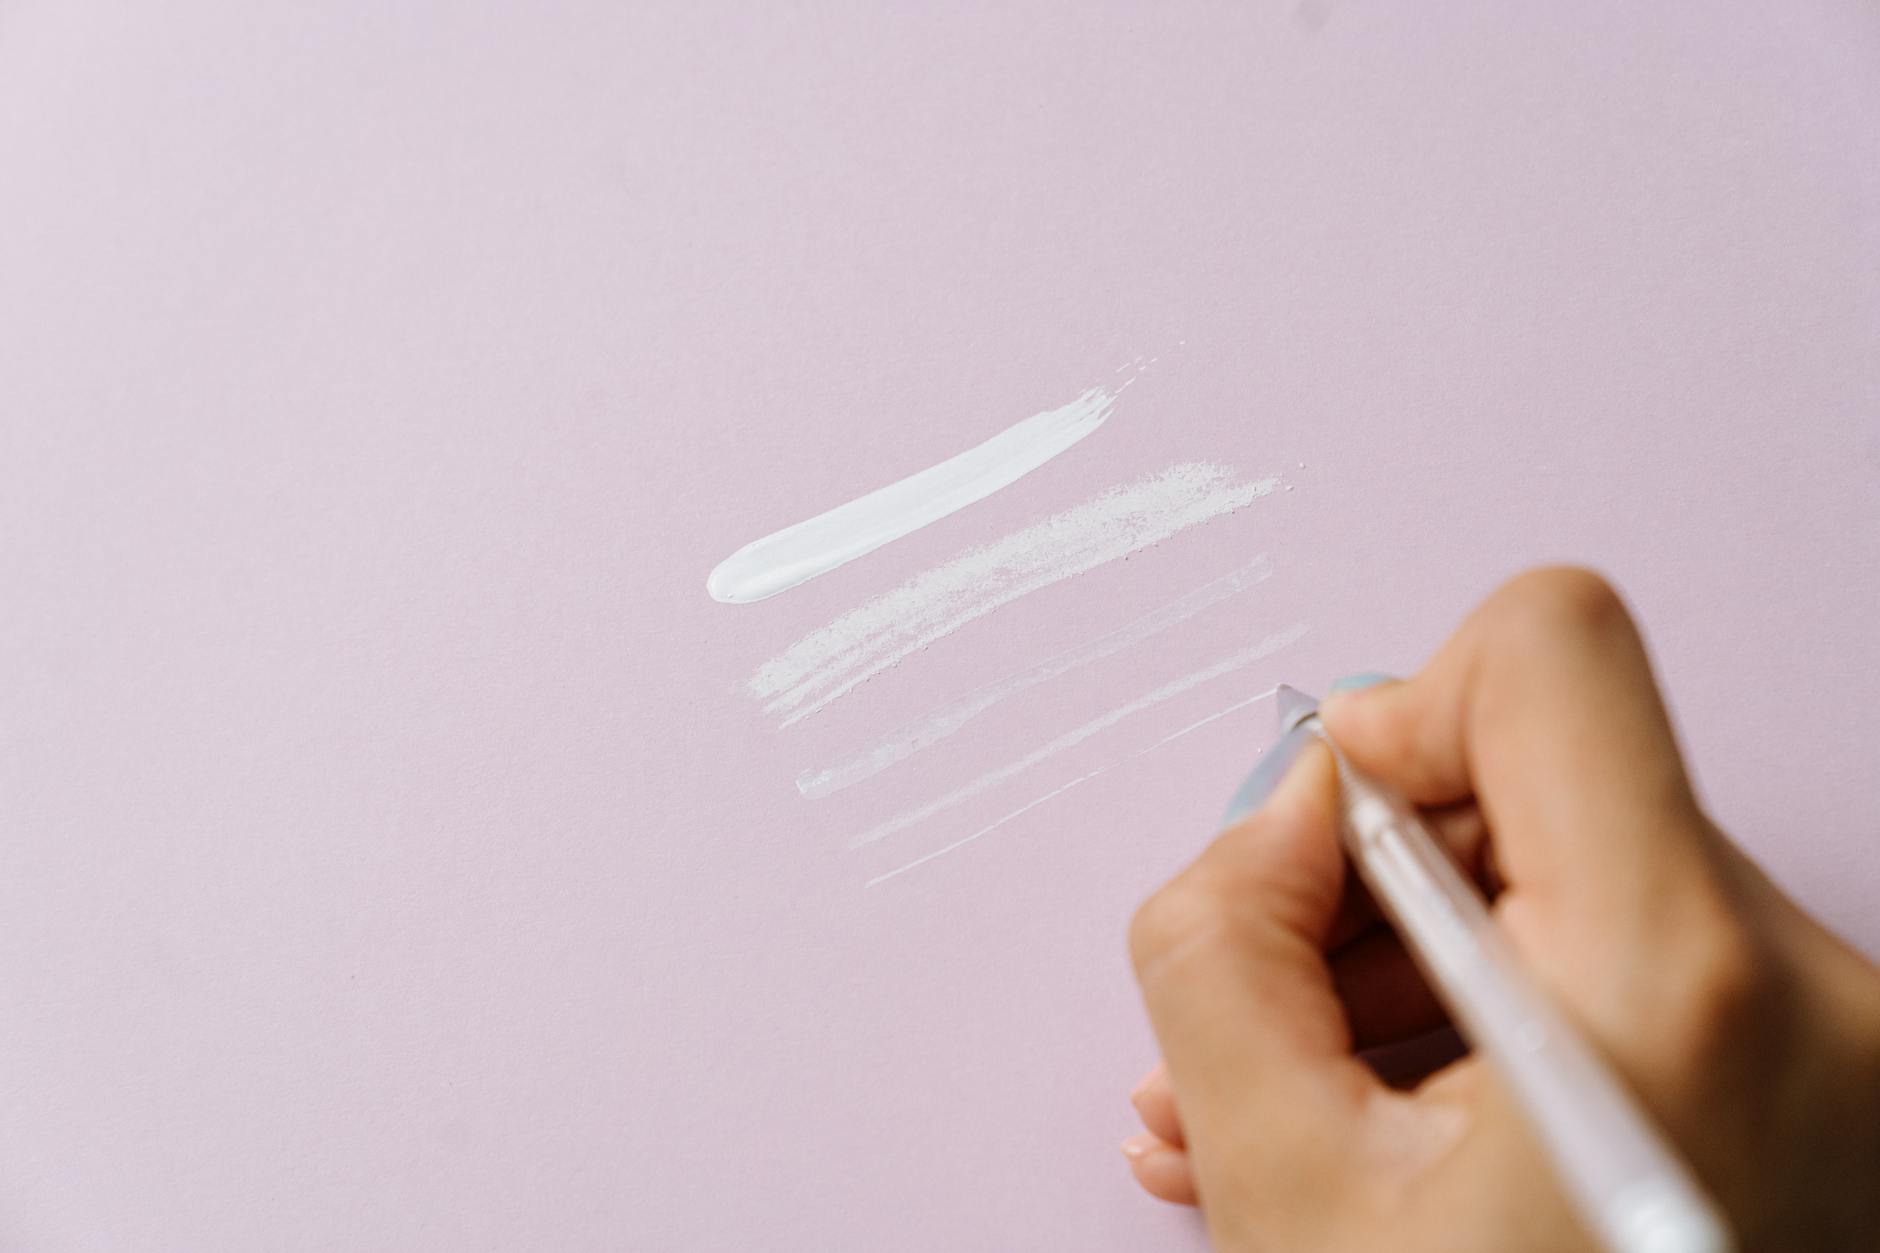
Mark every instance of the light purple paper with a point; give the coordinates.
(391, 860)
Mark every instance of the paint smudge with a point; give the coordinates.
(1070, 739)
(1313, 14)
(933, 727)
(830, 662)
(799, 553)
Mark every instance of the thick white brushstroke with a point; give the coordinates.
(1070, 739)
(990, 827)
(831, 661)
(796, 554)
(905, 741)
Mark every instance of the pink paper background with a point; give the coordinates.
(389, 862)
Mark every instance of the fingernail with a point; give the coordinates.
(1140, 1146)
(1259, 784)
(1357, 682)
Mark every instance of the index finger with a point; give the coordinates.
(1543, 707)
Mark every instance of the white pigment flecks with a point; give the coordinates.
(1070, 739)
(829, 662)
(1032, 804)
(907, 740)
(799, 553)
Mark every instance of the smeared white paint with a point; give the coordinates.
(831, 661)
(990, 827)
(796, 554)
(905, 741)
(1070, 739)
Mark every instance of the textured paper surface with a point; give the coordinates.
(392, 860)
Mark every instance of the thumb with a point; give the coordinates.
(1230, 956)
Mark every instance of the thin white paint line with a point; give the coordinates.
(1080, 779)
(796, 554)
(1070, 739)
(988, 829)
(1216, 716)
(935, 726)
(831, 661)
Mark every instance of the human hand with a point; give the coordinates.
(1537, 744)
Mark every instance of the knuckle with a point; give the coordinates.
(1719, 993)
(1725, 978)
(1179, 917)
(1564, 599)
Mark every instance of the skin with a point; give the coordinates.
(1537, 740)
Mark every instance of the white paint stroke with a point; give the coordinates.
(831, 661)
(933, 727)
(796, 554)
(1070, 739)
(990, 827)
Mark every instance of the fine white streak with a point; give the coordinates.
(1080, 779)
(1070, 739)
(905, 741)
(796, 554)
(831, 661)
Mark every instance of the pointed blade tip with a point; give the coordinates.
(1292, 705)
